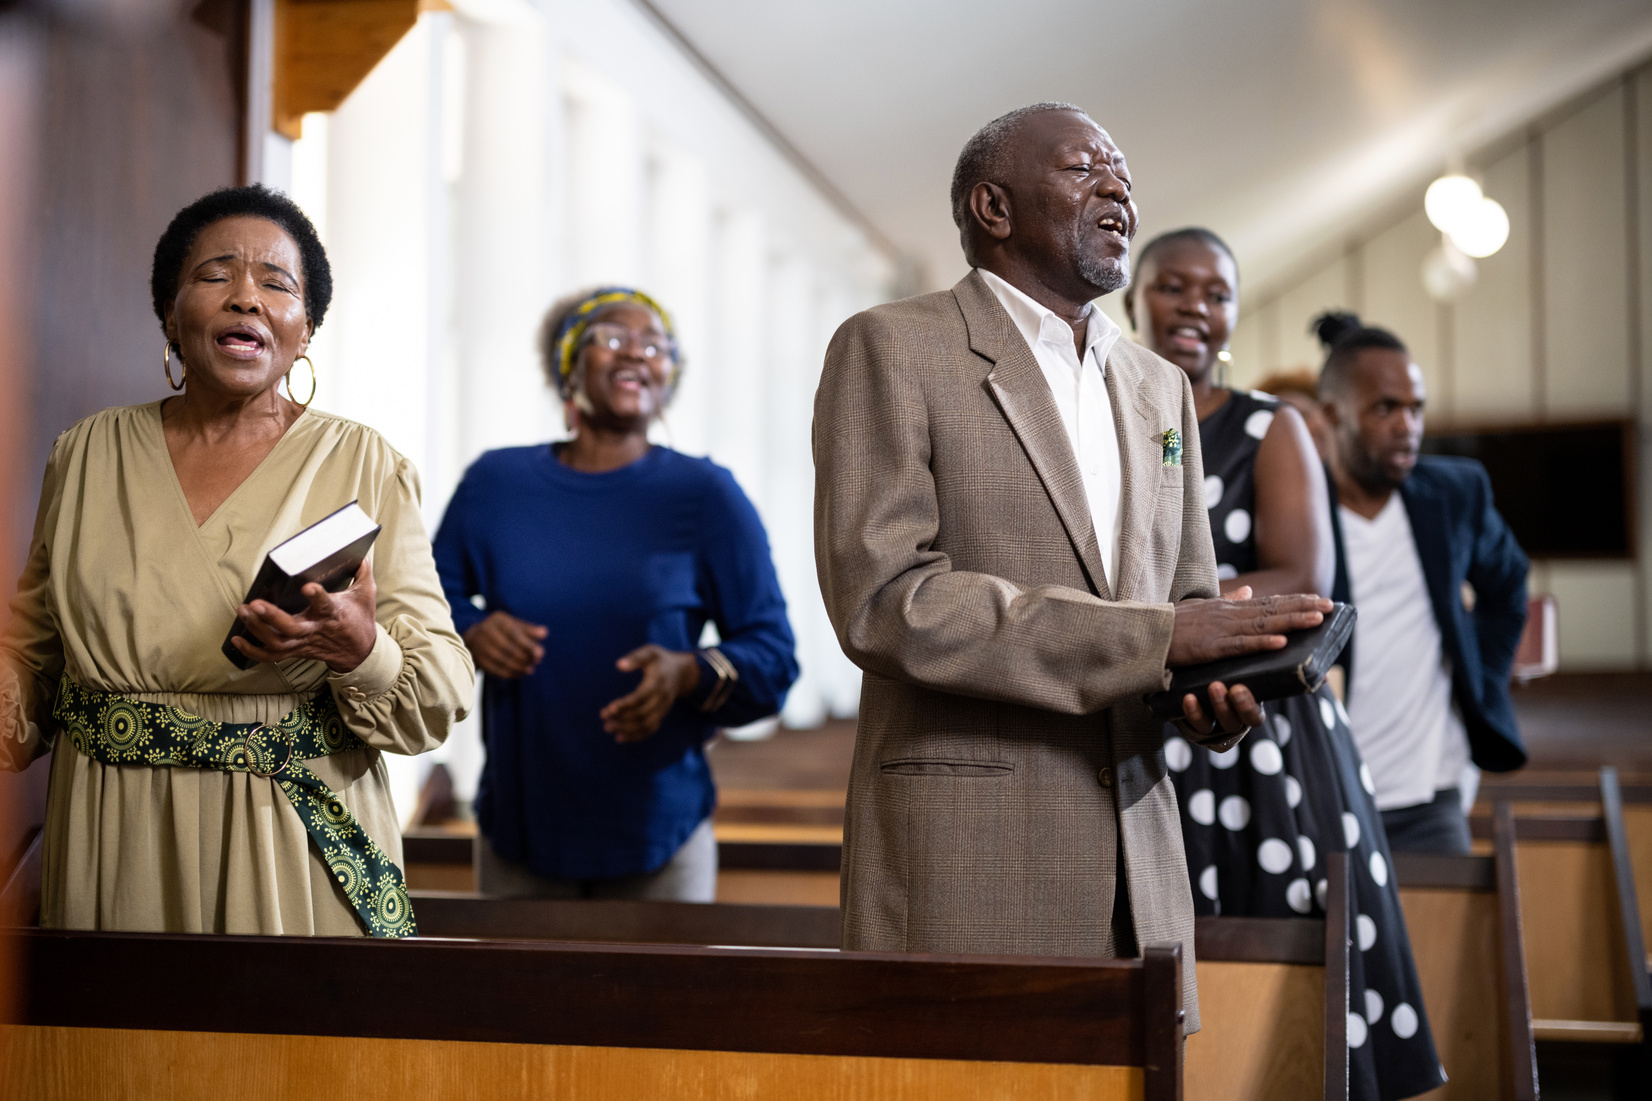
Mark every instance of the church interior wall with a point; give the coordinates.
(1553, 329)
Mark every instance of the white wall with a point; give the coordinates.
(509, 153)
(1558, 325)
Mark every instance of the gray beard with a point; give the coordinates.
(1106, 276)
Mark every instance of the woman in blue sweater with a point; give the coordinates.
(598, 562)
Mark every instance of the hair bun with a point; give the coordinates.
(1333, 325)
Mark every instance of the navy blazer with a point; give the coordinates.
(1460, 537)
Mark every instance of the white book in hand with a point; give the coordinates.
(328, 553)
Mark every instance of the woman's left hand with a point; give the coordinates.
(666, 676)
(337, 628)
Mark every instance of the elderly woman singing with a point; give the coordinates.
(187, 794)
(600, 560)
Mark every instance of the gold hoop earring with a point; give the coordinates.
(305, 404)
(167, 363)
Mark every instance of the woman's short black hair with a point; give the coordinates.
(1189, 233)
(255, 201)
(1343, 335)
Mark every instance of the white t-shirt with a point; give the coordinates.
(1080, 391)
(1400, 708)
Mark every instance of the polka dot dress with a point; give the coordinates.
(1259, 819)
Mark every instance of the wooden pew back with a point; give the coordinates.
(267, 1017)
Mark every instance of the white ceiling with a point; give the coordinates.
(1278, 123)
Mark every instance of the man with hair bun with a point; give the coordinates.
(1012, 542)
(1428, 688)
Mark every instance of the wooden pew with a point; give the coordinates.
(1583, 930)
(1263, 982)
(1464, 915)
(1273, 1001)
(256, 1018)
(785, 871)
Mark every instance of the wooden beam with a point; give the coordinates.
(324, 48)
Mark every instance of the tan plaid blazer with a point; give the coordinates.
(1003, 742)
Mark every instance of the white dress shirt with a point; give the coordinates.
(1080, 390)
(1400, 706)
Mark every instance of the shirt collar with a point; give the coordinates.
(1037, 322)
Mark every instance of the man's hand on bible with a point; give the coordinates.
(1207, 630)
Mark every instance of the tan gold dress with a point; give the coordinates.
(124, 593)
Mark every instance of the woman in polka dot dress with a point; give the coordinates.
(1259, 820)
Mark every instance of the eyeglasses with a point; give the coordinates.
(613, 338)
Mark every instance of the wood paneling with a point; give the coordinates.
(1454, 941)
(70, 1064)
(1262, 1036)
(136, 125)
(1586, 261)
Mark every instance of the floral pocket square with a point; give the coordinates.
(1172, 447)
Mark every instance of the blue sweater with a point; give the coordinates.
(608, 562)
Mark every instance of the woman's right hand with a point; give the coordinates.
(505, 646)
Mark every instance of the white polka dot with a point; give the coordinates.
(1237, 526)
(1177, 754)
(1234, 812)
(1201, 806)
(1350, 829)
(1404, 1023)
(1256, 425)
(1299, 896)
(1213, 490)
(1225, 572)
(1225, 759)
(1293, 791)
(1266, 758)
(1207, 882)
(1373, 1006)
(1379, 869)
(1356, 1030)
(1305, 849)
(1281, 730)
(1327, 714)
(1274, 856)
(1367, 932)
(1342, 712)
(1365, 780)
(1321, 891)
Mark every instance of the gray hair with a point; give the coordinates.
(986, 158)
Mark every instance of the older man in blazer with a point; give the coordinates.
(1012, 542)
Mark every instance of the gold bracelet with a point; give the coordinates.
(727, 677)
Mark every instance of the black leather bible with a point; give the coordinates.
(328, 552)
(1271, 674)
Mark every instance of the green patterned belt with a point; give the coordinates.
(119, 731)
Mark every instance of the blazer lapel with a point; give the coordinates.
(1023, 394)
(1141, 454)
(1428, 531)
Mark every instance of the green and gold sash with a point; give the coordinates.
(119, 731)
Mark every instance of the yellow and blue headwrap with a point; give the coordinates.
(572, 329)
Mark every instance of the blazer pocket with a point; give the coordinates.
(937, 766)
